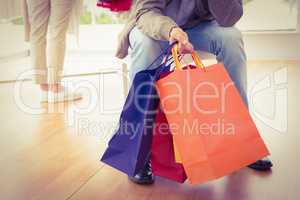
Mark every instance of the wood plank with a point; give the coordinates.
(108, 184)
(42, 157)
(53, 169)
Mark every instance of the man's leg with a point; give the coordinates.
(143, 51)
(227, 44)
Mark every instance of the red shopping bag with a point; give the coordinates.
(211, 126)
(115, 5)
(162, 152)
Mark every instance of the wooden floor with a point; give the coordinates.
(55, 155)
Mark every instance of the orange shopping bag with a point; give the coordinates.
(211, 126)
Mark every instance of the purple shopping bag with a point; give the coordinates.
(129, 148)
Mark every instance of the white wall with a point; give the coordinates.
(274, 46)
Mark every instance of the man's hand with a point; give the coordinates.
(184, 46)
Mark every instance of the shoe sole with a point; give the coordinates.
(141, 182)
(260, 168)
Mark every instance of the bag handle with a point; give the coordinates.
(166, 52)
(195, 57)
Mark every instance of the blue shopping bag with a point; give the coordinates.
(129, 148)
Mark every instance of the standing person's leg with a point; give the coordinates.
(143, 51)
(227, 44)
(58, 26)
(39, 11)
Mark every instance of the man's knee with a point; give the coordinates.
(137, 39)
(143, 51)
(231, 37)
(232, 44)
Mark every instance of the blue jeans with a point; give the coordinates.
(224, 42)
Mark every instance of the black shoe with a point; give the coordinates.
(261, 165)
(144, 177)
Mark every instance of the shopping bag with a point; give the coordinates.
(176, 153)
(115, 5)
(162, 153)
(129, 148)
(214, 132)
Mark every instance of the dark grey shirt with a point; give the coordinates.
(156, 18)
(188, 13)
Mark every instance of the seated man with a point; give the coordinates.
(206, 25)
